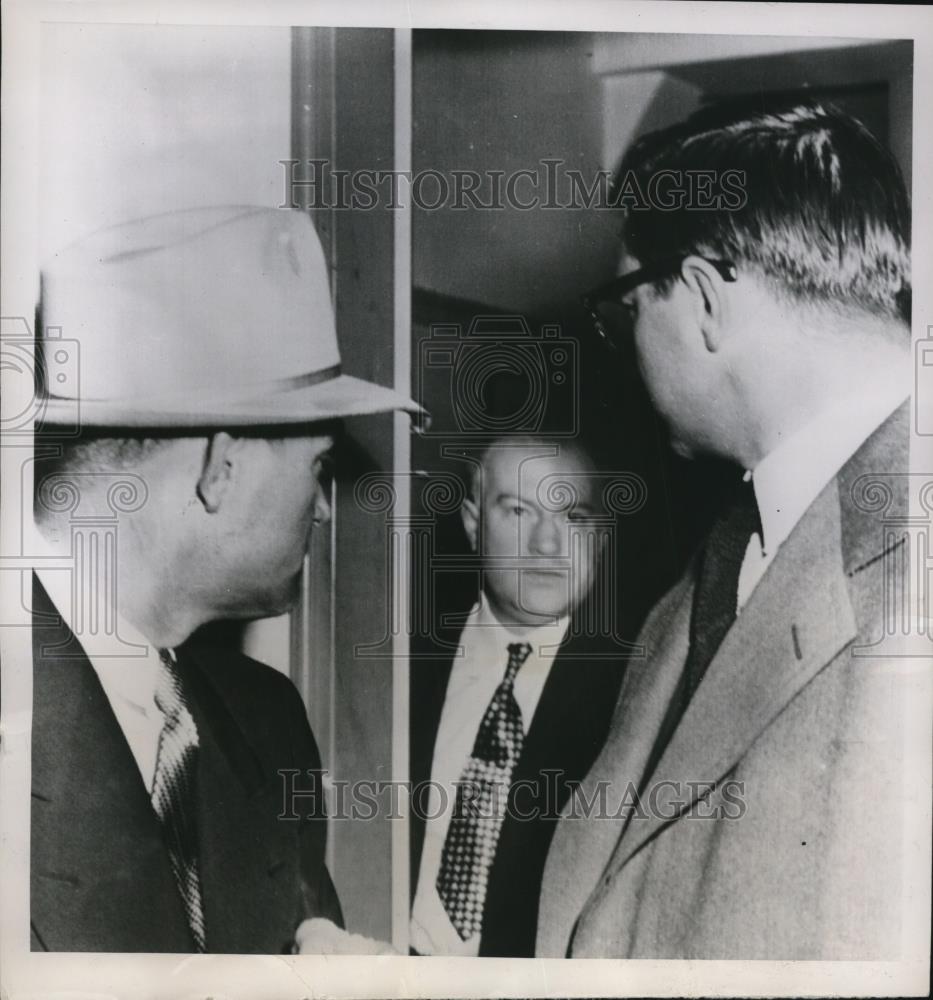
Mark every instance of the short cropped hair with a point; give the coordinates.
(825, 212)
(103, 453)
(584, 448)
(97, 450)
(91, 452)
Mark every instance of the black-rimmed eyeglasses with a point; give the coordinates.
(612, 317)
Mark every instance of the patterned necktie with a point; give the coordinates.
(479, 811)
(715, 601)
(173, 790)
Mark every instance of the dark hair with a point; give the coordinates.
(112, 451)
(91, 453)
(817, 203)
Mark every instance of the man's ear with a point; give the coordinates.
(469, 511)
(223, 452)
(707, 286)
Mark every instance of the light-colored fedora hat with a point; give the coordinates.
(198, 318)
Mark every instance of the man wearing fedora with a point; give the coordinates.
(177, 480)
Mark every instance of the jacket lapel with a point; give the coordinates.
(783, 637)
(430, 666)
(566, 733)
(580, 692)
(100, 876)
(581, 848)
(245, 854)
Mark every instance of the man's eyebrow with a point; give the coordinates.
(584, 508)
(500, 497)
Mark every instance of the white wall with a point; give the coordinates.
(141, 119)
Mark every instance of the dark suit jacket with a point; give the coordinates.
(566, 734)
(101, 879)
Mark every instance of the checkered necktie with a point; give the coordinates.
(479, 811)
(173, 790)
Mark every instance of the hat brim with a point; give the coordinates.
(343, 396)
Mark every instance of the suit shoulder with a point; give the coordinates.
(240, 677)
(258, 700)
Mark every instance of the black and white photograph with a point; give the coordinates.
(467, 493)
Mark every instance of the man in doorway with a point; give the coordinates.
(199, 435)
(511, 704)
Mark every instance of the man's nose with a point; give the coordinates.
(321, 507)
(547, 537)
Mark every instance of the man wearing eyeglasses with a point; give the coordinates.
(765, 727)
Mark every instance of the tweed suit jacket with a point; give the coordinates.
(799, 717)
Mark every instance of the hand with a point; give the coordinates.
(319, 936)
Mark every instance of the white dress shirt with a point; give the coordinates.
(473, 680)
(128, 681)
(791, 476)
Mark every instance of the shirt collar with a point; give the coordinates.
(133, 677)
(790, 477)
(540, 637)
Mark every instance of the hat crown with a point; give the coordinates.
(205, 304)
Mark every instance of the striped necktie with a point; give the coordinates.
(482, 792)
(173, 790)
